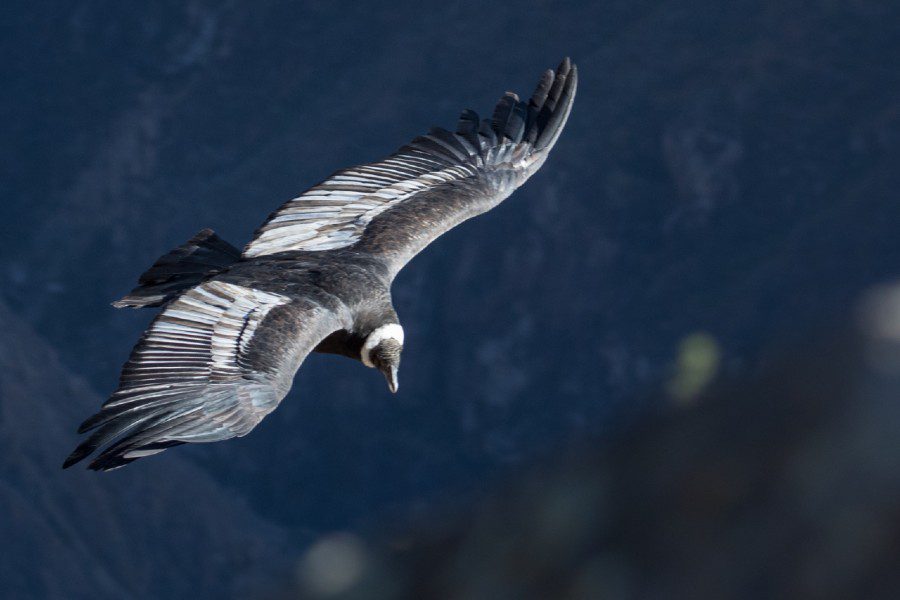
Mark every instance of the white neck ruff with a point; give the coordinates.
(385, 332)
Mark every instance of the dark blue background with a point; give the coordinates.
(727, 168)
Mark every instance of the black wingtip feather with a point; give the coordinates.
(515, 126)
(117, 460)
(467, 127)
(87, 447)
(104, 435)
(142, 439)
(502, 113)
(91, 422)
(72, 459)
(551, 121)
(538, 120)
(122, 434)
(542, 89)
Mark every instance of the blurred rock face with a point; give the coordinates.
(783, 486)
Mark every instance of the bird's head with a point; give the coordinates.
(382, 349)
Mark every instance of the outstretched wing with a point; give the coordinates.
(216, 361)
(396, 207)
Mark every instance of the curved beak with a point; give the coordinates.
(390, 374)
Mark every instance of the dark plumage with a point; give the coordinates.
(197, 259)
(236, 326)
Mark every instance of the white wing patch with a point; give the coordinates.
(499, 153)
(335, 213)
(199, 338)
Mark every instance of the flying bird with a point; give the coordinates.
(316, 277)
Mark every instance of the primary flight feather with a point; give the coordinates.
(316, 276)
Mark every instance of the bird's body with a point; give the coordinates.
(353, 286)
(236, 325)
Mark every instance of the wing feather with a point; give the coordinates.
(191, 378)
(467, 172)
